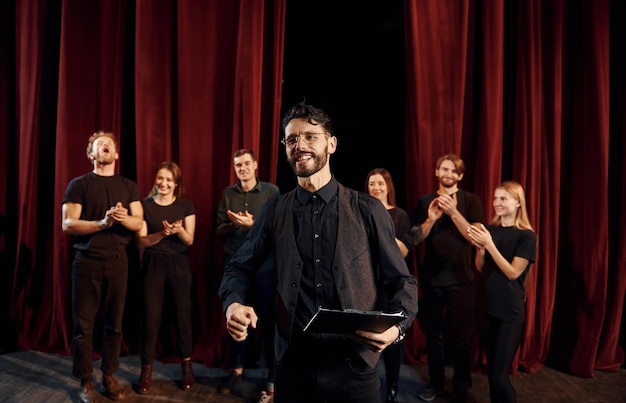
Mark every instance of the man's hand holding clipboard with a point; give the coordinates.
(373, 329)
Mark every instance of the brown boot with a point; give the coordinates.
(188, 379)
(145, 379)
(87, 393)
(112, 387)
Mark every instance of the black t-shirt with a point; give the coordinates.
(154, 214)
(401, 223)
(96, 194)
(447, 254)
(504, 298)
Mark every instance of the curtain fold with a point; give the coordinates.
(29, 64)
(544, 191)
(436, 35)
(590, 165)
(527, 165)
(156, 90)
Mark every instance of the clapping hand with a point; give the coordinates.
(116, 214)
(434, 211)
(242, 219)
(480, 236)
(171, 228)
(447, 203)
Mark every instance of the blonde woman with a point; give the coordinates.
(505, 251)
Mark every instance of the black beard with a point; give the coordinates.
(320, 162)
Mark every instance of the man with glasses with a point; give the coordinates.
(334, 248)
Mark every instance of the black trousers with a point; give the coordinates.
(98, 283)
(501, 340)
(393, 356)
(452, 306)
(318, 373)
(161, 273)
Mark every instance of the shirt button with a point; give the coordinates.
(318, 285)
(317, 260)
(316, 212)
(317, 236)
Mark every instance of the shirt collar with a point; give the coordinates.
(256, 188)
(327, 192)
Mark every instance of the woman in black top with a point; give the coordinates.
(380, 185)
(167, 232)
(505, 251)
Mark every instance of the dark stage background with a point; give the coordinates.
(525, 90)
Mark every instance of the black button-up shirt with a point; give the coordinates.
(234, 198)
(316, 235)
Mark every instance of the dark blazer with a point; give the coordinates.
(355, 273)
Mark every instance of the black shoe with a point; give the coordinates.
(188, 378)
(429, 393)
(462, 396)
(228, 383)
(392, 394)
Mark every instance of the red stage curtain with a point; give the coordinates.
(521, 91)
(188, 81)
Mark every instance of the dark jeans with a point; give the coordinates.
(161, 273)
(264, 295)
(500, 340)
(452, 305)
(393, 356)
(98, 283)
(314, 373)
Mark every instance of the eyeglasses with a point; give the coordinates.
(308, 138)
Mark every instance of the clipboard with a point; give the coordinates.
(350, 320)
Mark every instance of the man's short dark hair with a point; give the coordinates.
(313, 115)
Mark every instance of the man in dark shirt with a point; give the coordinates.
(102, 210)
(442, 218)
(334, 248)
(240, 204)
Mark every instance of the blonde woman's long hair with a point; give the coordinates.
(521, 216)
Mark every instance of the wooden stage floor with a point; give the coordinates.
(32, 376)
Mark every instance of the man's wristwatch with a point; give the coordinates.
(401, 335)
